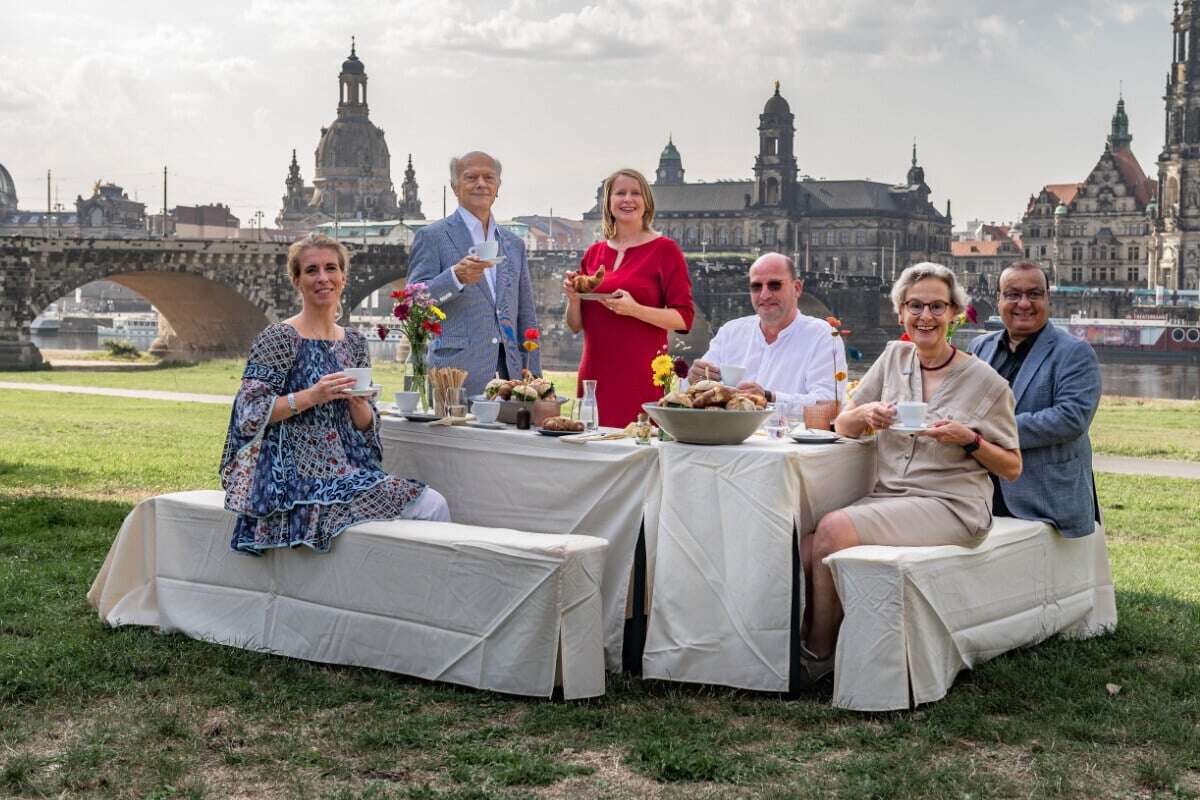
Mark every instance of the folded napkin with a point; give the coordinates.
(595, 436)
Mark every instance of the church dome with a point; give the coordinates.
(8, 190)
(1060, 210)
(352, 145)
(670, 152)
(776, 104)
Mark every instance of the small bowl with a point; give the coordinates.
(406, 402)
(486, 411)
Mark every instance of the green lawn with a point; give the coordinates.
(91, 712)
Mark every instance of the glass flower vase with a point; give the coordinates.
(418, 379)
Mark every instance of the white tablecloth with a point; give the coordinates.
(523, 480)
(494, 609)
(721, 600)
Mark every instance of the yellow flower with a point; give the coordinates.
(839, 376)
(661, 363)
(437, 312)
(530, 345)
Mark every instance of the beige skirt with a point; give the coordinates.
(909, 522)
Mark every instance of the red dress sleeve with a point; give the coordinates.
(677, 283)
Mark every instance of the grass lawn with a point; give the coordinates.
(91, 712)
(1147, 428)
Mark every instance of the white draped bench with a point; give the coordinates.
(916, 616)
(484, 607)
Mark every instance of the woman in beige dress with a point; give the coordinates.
(932, 486)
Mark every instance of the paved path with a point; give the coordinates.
(143, 394)
(1118, 464)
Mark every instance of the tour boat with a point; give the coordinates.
(1140, 339)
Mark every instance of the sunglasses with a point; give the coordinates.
(757, 286)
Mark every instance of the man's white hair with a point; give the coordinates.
(454, 164)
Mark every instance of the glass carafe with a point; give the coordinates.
(589, 411)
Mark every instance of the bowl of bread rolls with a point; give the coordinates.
(710, 413)
(537, 392)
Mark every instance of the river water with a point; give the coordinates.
(1174, 381)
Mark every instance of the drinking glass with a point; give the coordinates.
(455, 402)
(589, 411)
(776, 425)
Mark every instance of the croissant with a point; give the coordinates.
(562, 424)
(700, 387)
(676, 400)
(741, 402)
(754, 397)
(713, 397)
(588, 283)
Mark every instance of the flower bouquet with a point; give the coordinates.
(420, 320)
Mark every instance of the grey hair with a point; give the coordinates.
(919, 272)
(454, 162)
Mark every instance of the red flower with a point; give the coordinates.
(437, 329)
(396, 295)
(382, 331)
(681, 368)
(972, 316)
(845, 332)
(531, 333)
(904, 337)
(834, 322)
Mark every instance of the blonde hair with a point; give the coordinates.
(609, 226)
(317, 241)
(927, 269)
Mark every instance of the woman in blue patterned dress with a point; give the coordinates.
(302, 460)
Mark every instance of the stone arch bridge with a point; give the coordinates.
(215, 296)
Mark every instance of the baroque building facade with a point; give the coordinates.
(847, 228)
(1096, 233)
(1174, 257)
(353, 178)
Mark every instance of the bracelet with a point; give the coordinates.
(974, 445)
(291, 400)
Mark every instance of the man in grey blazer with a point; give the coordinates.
(488, 303)
(1055, 379)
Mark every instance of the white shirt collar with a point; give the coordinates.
(784, 333)
(475, 227)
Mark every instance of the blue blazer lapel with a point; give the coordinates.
(987, 348)
(505, 271)
(1033, 361)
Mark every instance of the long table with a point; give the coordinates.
(719, 524)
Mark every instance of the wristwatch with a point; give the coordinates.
(291, 398)
(770, 396)
(973, 446)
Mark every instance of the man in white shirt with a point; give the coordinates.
(488, 303)
(788, 357)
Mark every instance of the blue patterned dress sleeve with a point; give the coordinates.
(304, 479)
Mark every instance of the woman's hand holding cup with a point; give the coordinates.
(331, 387)
(879, 416)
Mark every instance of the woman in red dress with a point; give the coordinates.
(647, 276)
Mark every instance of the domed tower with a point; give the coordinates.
(775, 165)
(411, 207)
(1120, 138)
(354, 167)
(8, 191)
(916, 177)
(670, 166)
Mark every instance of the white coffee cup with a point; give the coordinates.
(912, 413)
(731, 374)
(361, 375)
(486, 250)
(406, 402)
(485, 411)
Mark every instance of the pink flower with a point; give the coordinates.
(971, 314)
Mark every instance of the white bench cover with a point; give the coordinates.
(916, 616)
(489, 608)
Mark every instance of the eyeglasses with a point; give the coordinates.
(916, 307)
(1035, 296)
(757, 286)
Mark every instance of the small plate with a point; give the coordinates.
(371, 392)
(595, 295)
(806, 436)
(545, 432)
(491, 426)
(906, 429)
(414, 416)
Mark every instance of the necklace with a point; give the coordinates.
(953, 353)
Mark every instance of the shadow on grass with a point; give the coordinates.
(38, 474)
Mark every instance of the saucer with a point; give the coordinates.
(491, 426)
(906, 429)
(806, 436)
(414, 416)
(545, 432)
(493, 261)
(371, 392)
(595, 295)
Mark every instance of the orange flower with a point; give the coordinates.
(839, 376)
(834, 322)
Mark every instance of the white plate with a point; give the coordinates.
(371, 392)
(595, 295)
(805, 436)
(906, 429)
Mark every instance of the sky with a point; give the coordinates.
(1001, 98)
